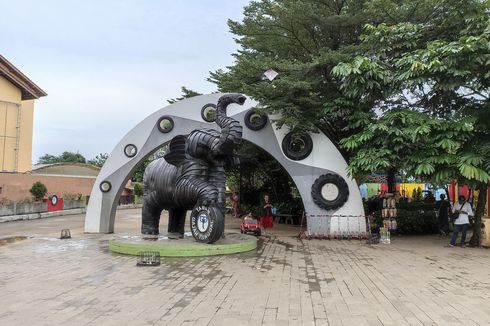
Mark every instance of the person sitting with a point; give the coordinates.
(248, 218)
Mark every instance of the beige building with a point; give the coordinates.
(17, 95)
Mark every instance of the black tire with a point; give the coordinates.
(203, 112)
(213, 224)
(54, 200)
(258, 233)
(339, 182)
(255, 125)
(296, 155)
(159, 126)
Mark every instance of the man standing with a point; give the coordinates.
(461, 223)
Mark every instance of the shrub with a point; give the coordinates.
(417, 222)
(5, 201)
(72, 196)
(38, 190)
(138, 189)
(414, 218)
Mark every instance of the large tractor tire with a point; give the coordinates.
(207, 223)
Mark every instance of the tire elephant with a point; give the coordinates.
(191, 176)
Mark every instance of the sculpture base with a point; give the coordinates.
(187, 247)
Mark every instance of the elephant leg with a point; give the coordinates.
(150, 216)
(176, 221)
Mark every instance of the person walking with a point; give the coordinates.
(464, 211)
(443, 215)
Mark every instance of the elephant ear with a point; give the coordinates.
(176, 150)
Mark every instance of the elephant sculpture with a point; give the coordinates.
(191, 176)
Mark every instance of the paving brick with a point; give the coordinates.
(413, 281)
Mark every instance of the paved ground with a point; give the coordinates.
(413, 281)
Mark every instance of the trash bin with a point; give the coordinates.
(485, 230)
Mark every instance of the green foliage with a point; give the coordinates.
(138, 189)
(186, 93)
(417, 222)
(258, 174)
(65, 157)
(99, 160)
(302, 41)
(438, 69)
(38, 190)
(414, 218)
(429, 82)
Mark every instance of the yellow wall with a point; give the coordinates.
(11, 108)
(25, 145)
(8, 92)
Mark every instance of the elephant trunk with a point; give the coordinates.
(231, 130)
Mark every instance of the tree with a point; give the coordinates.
(438, 71)
(260, 173)
(138, 189)
(65, 157)
(99, 160)
(186, 93)
(38, 190)
(48, 159)
(302, 41)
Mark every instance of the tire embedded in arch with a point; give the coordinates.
(254, 120)
(330, 191)
(297, 148)
(207, 223)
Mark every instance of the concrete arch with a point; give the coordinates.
(186, 114)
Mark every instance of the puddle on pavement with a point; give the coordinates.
(48, 245)
(12, 239)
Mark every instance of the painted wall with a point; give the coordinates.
(15, 143)
(16, 186)
(8, 91)
(25, 142)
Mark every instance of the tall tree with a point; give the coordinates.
(99, 160)
(186, 93)
(438, 71)
(302, 41)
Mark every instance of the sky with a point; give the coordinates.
(106, 65)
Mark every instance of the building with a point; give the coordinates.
(17, 96)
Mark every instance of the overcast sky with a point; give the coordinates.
(107, 64)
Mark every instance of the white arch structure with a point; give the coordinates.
(186, 115)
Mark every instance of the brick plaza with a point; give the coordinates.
(413, 281)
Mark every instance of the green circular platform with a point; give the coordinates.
(188, 247)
